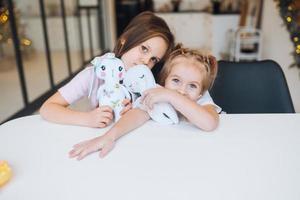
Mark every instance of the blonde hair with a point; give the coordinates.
(208, 61)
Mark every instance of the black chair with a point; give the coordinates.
(251, 87)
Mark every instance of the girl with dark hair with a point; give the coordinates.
(146, 40)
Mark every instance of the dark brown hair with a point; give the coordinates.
(208, 61)
(144, 26)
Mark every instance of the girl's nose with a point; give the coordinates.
(181, 91)
(145, 60)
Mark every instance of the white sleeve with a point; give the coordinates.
(206, 100)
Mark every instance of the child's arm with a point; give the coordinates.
(133, 119)
(55, 109)
(204, 117)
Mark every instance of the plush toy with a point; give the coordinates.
(5, 173)
(111, 93)
(140, 78)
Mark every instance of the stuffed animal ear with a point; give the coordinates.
(96, 61)
(110, 55)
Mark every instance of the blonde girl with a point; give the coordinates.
(187, 76)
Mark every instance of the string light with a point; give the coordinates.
(26, 42)
(289, 11)
(3, 18)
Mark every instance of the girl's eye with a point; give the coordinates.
(120, 68)
(103, 67)
(193, 86)
(144, 49)
(175, 80)
(154, 60)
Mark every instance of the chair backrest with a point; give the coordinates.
(252, 87)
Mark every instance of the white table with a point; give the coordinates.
(247, 157)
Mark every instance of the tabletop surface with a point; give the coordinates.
(246, 157)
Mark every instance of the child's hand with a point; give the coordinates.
(100, 117)
(103, 144)
(154, 95)
(127, 106)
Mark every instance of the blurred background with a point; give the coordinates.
(44, 43)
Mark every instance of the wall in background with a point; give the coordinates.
(278, 46)
(188, 29)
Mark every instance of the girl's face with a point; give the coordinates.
(148, 53)
(185, 77)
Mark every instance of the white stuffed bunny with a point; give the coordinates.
(140, 78)
(111, 93)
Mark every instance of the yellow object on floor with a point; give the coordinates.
(5, 173)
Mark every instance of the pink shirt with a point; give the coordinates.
(80, 86)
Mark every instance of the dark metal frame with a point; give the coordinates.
(31, 107)
(88, 10)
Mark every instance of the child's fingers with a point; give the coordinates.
(75, 152)
(105, 150)
(146, 92)
(108, 115)
(125, 109)
(151, 103)
(102, 125)
(143, 98)
(106, 120)
(82, 155)
(85, 145)
(71, 153)
(144, 95)
(105, 109)
(148, 102)
(86, 152)
(80, 143)
(125, 102)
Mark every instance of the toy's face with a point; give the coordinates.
(139, 78)
(110, 70)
